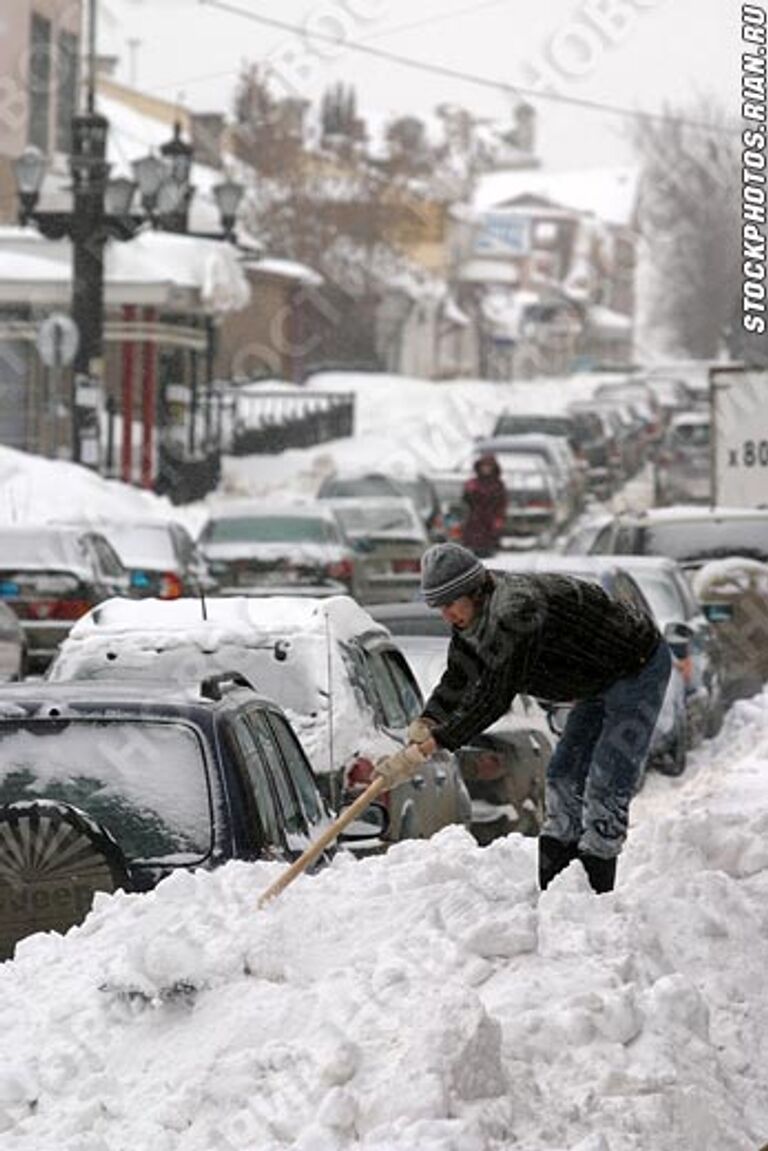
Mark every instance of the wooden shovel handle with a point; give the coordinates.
(373, 789)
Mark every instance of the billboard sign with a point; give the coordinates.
(740, 435)
(503, 234)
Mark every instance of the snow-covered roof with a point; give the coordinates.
(147, 269)
(607, 193)
(285, 270)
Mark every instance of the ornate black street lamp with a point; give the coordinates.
(101, 208)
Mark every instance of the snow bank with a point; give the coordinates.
(403, 426)
(37, 490)
(428, 999)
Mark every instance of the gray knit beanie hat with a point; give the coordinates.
(449, 571)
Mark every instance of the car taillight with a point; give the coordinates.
(171, 586)
(685, 667)
(454, 532)
(60, 609)
(406, 565)
(358, 775)
(341, 571)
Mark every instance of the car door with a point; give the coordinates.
(412, 804)
(451, 800)
(260, 829)
(294, 824)
(708, 652)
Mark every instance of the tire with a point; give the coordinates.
(53, 858)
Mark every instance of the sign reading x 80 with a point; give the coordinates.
(740, 412)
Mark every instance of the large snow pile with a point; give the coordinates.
(402, 426)
(37, 490)
(430, 1000)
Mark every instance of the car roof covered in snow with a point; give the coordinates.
(225, 620)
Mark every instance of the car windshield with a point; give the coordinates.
(706, 539)
(141, 545)
(359, 519)
(270, 530)
(522, 425)
(144, 781)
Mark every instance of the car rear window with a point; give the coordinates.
(523, 425)
(706, 539)
(142, 546)
(691, 435)
(270, 529)
(41, 548)
(360, 486)
(357, 518)
(145, 782)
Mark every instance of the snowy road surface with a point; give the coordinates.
(430, 1000)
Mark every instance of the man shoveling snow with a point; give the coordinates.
(558, 639)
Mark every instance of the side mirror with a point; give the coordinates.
(678, 636)
(717, 612)
(557, 717)
(372, 823)
(678, 633)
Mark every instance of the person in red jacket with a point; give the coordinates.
(485, 502)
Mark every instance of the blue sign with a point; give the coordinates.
(502, 234)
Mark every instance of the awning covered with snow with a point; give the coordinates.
(153, 268)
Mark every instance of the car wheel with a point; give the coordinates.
(53, 858)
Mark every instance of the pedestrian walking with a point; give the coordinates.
(484, 500)
(558, 639)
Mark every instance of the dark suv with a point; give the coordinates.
(110, 785)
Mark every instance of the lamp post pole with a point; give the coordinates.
(89, 175)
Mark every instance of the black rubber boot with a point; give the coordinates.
(601, 873)
(554, 857)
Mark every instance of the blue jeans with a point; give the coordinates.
(599, 760)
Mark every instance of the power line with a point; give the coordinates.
(457, 74)
(436, 17)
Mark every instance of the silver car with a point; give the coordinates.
(683, 472)
(390, 538)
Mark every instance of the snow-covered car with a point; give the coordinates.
(414, 486)
(683, 467)
(532, 501)
(504, 768)
(555, 454)
(50, 576)
(341, 679)
(252, 543)
(671, 737)
(390, 539)
(161, 557)
(104, 785)
(733, 594)
(13, 646)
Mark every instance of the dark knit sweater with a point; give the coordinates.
(549, 636)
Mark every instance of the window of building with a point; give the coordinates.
(39, 81)
(66, 98)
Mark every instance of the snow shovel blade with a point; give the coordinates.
(299, 865)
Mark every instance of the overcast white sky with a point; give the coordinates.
(671, 50)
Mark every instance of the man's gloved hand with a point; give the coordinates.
(401, 766)
(420, 729)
